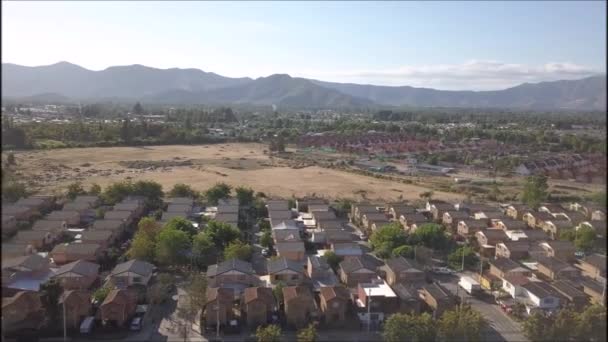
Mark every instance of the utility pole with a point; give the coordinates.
(369, 317)
(217, 320)
(65, 334)
(462, 266)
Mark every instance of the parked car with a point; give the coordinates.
(266, 252)
(136, 324)
(442, 270)
(363, 236)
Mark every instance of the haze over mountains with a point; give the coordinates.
(65, 81)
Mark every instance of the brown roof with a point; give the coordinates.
(331, 292)
(120, 296)
(31, 262)
(81, 267)
(224, 294)
(566, 289)
(517, 279)
(76, 248)
(505, 264)
(553, 264)
(292, 292)
(262, 293)
(30, 235)
(81, 295)
(517, 246)
(62, 215)
(557, 245)
(401, 264)
(107, 225)
(48, 225)
(96, 235)
(494, 234)
(597, 260)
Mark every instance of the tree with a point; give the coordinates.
(238, 250)
(149, 227)
(427, 195)
(152, 191)
(10, 159)
(563, 325)
(245, 195)
(536, 327)
(95, 189)
(333, 260)
(460, 324)
(183, 190)
(101, 293)
(308, 334)
(591, 324)
(75, 189)
(221, 233)
(138, 109)
(430, 235)
(196, 290)
(403, 251)
(217, 192)
(277, 291)
(270, 333)
(203, 250)
(116, 192)
(182, 224)
(535, 191)
(172, 247)
(125, 131)
(585, 238)
(405, 327)
(13, 191)
(387, 238)
(142, 248)
(455, 258)
(50, 293)
(600, 199)
(266, 239)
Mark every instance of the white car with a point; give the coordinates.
(442, 270)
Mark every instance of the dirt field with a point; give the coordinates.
(201, 167)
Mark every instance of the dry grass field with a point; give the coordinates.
(202, 166)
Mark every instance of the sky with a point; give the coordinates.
(444, 45)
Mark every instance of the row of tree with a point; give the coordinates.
(567, 325)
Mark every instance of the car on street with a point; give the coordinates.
(442, 270)
(362, 236)
(266, 252)
(136, 324)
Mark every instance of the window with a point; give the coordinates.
(294, 277)
(137, 279)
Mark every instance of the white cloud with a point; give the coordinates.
(471, 75)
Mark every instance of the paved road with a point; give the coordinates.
(501, 326)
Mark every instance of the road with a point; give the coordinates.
(501, 327)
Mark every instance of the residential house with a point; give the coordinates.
(571, 293)
(598, 226)
(574, 217)
(327, 224)
(536, 235)
(130, 273)
(338, 236)
(595, 291)
(489, 281)
(40, 203)
(77, 305)
(9, 225)
(117, 227)
(299, 305)
(452, 218)
(475, 208)
(334, 301)
(135, 208)
(354, 271)
(369, 219)
(503, 267)
(510, 224)
(491, 237)
(180, 200)
(403, 271)
(513, 285)
(411, 222)
(277, 205)
(517, 211)
(437, 209)
(347, 249)
(515, 250)
(13, 250)
(68, 252)
(257, 304)
(92, 200)
(77, 275)
(358, 210)
(219, 306)
(552, 208)
(168, 216)
(470, 227)
(320, 273)
(126, 216)
(22, 311)
(594, 266)
(408, 298)
(19, 212)
(230, 273)
(104, 238)
(118, 307)
(303, 203)
(563, 250)
(70, 217)
(555, 269)
(55, 227)
(318, 207)
(180, 208)
(541, 295)
(396, 210)
(36, 238)
(280, 215)
(286, 271)
(489, 216)
(537, 219)
(555, 227)
(24, 273)
(437, 298)
(293, 250)
(229, 218)
(375, 301)
(286, 235)
(81, 207)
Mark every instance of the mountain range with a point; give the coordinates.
(66, 81)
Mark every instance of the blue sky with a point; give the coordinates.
(444, 45)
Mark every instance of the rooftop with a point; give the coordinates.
(230, 265)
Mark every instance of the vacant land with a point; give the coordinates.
(202, 166)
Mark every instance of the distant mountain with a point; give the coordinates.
(193, 86)
(587, 93)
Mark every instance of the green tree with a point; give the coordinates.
(172, 246)
(266, 239)
(221, 233)
(50, 293)
(196, 290)
(277, 291)
(591, 324)
(460, 324)
(217, 192)
(126, 131)
(183, 190)
(403, 251)
(75, 189)
(387, 238)
(563, 325)
(142, 248)
(333, 260)
(455, 258)
(600, 199)
(585, 238)
(149, 227)
(238, 250)
(405, 327)
(270, 333)
(536, 327)
(308, 334)
(245, 195)
(535, 191)
(101, 293)
(430, 235)
(116, 192)
(95, 189)
(152, 191)
(182, 224)
(13, 191)
(204, 250)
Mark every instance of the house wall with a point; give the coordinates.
(590, 270)
(76, 310)
(298, 311)
(288, 277)
(295, 256)
(333, 314)
(72, 281)
(129, 279)
(512, 290)
(119, 312)
(355, 278)
(232, 277)
(257, 313)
